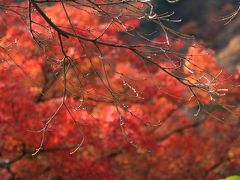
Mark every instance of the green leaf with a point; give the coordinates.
(233, 178)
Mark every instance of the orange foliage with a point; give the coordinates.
(157, 136)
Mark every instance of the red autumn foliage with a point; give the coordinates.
(159, 129)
